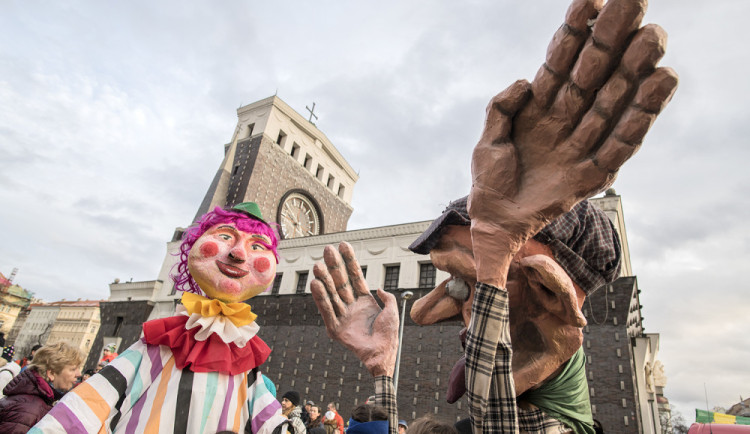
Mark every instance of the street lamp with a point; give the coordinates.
(405, 296)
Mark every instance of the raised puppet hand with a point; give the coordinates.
(549, 144)
(351, 314)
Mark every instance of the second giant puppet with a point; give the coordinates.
(196, 371)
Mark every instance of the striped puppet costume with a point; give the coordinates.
(196, 371)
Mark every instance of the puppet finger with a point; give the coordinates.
(563, 49)
(640, 59)
(354, 270)
(627, 136)
(502, 109)
(337, 269)
(321, 274)
(614, 25)
(324, 307)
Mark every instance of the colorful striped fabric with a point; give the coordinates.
(142, 391)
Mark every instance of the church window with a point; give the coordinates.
(426, 275)
(364, 270)
(391, 277)
(331, 181)
(319, 172)
(281, 139)
(276, 283)
(250, 129)
(236, 168)
(301, 281)
(295, 151)
(342, 190)
(308, 162)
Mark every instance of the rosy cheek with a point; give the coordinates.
(209, 249)
(262, 264)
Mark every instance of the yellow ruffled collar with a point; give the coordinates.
(238, 313)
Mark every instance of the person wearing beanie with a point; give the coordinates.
(291, 410)
(8, 368)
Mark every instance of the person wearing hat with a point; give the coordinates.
(199, 370)
(109, 353)
(291, 410)
(402, 426)
(8, 368)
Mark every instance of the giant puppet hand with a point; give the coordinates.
(351, 314)
(549, 144)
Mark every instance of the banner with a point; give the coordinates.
(703, 416)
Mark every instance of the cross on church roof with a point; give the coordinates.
(312, 115)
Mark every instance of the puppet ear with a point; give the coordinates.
(553, 288)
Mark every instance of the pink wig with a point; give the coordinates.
(183, 281)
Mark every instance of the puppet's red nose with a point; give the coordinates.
(262, 264)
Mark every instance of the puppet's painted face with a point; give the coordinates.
(544, 304)
(231, 265)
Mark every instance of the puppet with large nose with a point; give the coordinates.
(545, 301)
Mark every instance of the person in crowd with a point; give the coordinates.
(368, 419)
(109, 353)
(24, 362)
(339, 420)
(329, 422)
(306, 412)
(32, 393)
(2, 339)
(8, 368)
(87, 374)
(291, 410)
(316, 419)
(402, 426)
(428, 425)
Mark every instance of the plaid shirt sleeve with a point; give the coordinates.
(385, 396)
(489, 378)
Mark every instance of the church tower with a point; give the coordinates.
(283, 162)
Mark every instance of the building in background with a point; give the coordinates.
(75, 322)
(13, 300)
(309, 197)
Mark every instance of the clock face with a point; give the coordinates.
(298, 217)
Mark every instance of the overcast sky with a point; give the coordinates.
(113, 117)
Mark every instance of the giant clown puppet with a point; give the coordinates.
(196, 371)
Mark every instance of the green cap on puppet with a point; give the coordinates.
(250, 208)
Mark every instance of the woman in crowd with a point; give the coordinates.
(316, 419)
(33, 392)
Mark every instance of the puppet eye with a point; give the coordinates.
(225, 237)
(258, 247)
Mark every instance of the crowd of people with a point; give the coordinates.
(311, 418)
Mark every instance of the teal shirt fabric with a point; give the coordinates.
(566, 397)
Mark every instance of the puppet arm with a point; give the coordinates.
(549, 144)
(354, 319)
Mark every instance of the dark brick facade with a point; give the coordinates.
(257, 160)
(133, 314)
(609, 355)
(306, 360)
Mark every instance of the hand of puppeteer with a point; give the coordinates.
(351, 314)
(549, 144)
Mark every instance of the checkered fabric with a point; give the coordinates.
(586, 245)
(489, 380)
(385, 396)
(536, 421)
